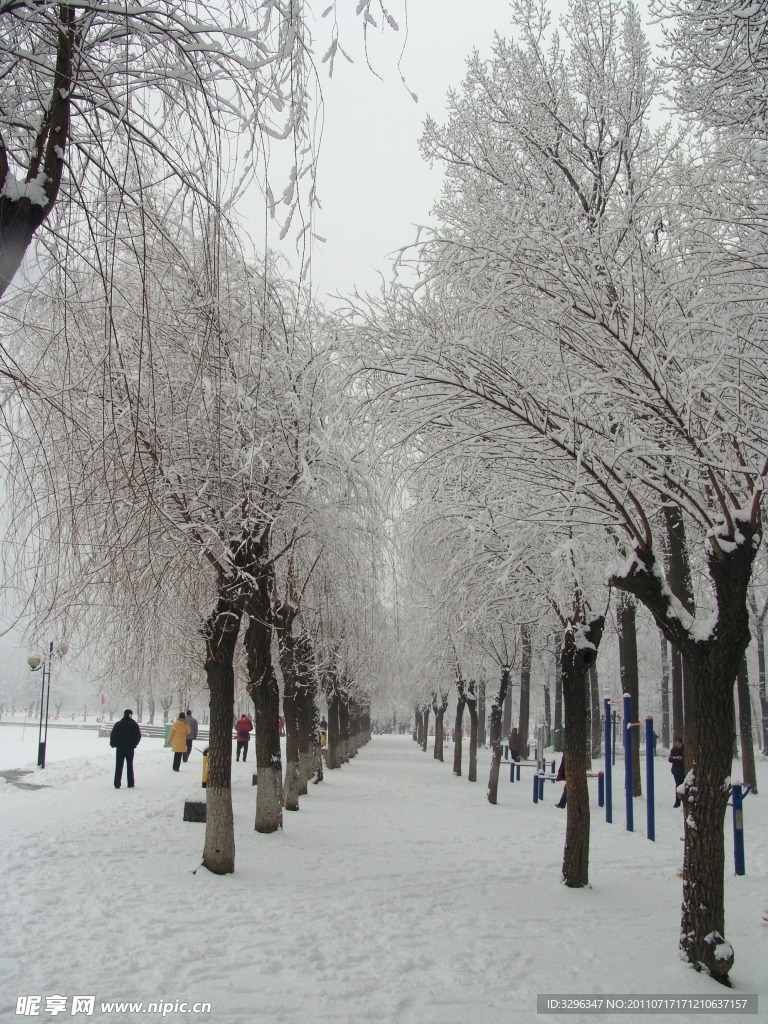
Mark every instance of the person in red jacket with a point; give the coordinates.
(243, 730)
(561, 778)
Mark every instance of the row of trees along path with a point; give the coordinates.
(584, 272)
(207, 469)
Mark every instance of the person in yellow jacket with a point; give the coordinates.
(177, 737)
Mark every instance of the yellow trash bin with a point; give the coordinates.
(205, 768)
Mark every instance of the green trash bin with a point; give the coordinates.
(167, 730)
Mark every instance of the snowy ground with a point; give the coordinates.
(395, 894)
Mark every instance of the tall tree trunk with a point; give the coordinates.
(315, 750)
(425, 728)
(676, 671)
(597, 732)
(690, 717)
(304, 722)
(265, 694)
(575, 659)
(679, 580)
(334, 760)
(758, 622)
(439, 710)
(269, 761)
(558, 743)
(495, 728)
(471, 702)
(458, 729)
(507, 712)
(151, 708)
(481, 725)
(745, 727)
(352, 725)
(358, 731)
(525, 689)
(547, 711)
(735, 728)
(220, 633)
(703, 912)
(714, 662)
(626, 614)
(761, 688)
(292, 780)
(343, 729)
(283, 616)
(306, 714)
(416, 725)
(664, 691)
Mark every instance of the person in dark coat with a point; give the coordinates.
(192, 723)
(677, 760)
(513, 744)
(561, 778)
(125, 737)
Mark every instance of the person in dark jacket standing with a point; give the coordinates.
(561, 778)
(192, 723)
(677, 760)
(125, 737)
(513, 744)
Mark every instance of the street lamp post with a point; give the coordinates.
(44, 667)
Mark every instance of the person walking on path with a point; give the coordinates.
(243, 730)
(177, 737)
(561, 778)
(192, 723)
(677, 760)
(125, 737)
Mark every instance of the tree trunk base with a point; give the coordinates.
(318, 757)
(576, 853)
(292, 786)
(219, 849)
(306, 770)
(493, 778)
(269, 810)
(703, 911)
(576, 657)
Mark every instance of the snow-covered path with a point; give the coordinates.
(395, 894)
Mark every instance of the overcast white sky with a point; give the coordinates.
(373, 184)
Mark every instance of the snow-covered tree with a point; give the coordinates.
(193, 415)
(581, 315)
(96, 95)
(718, 52)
